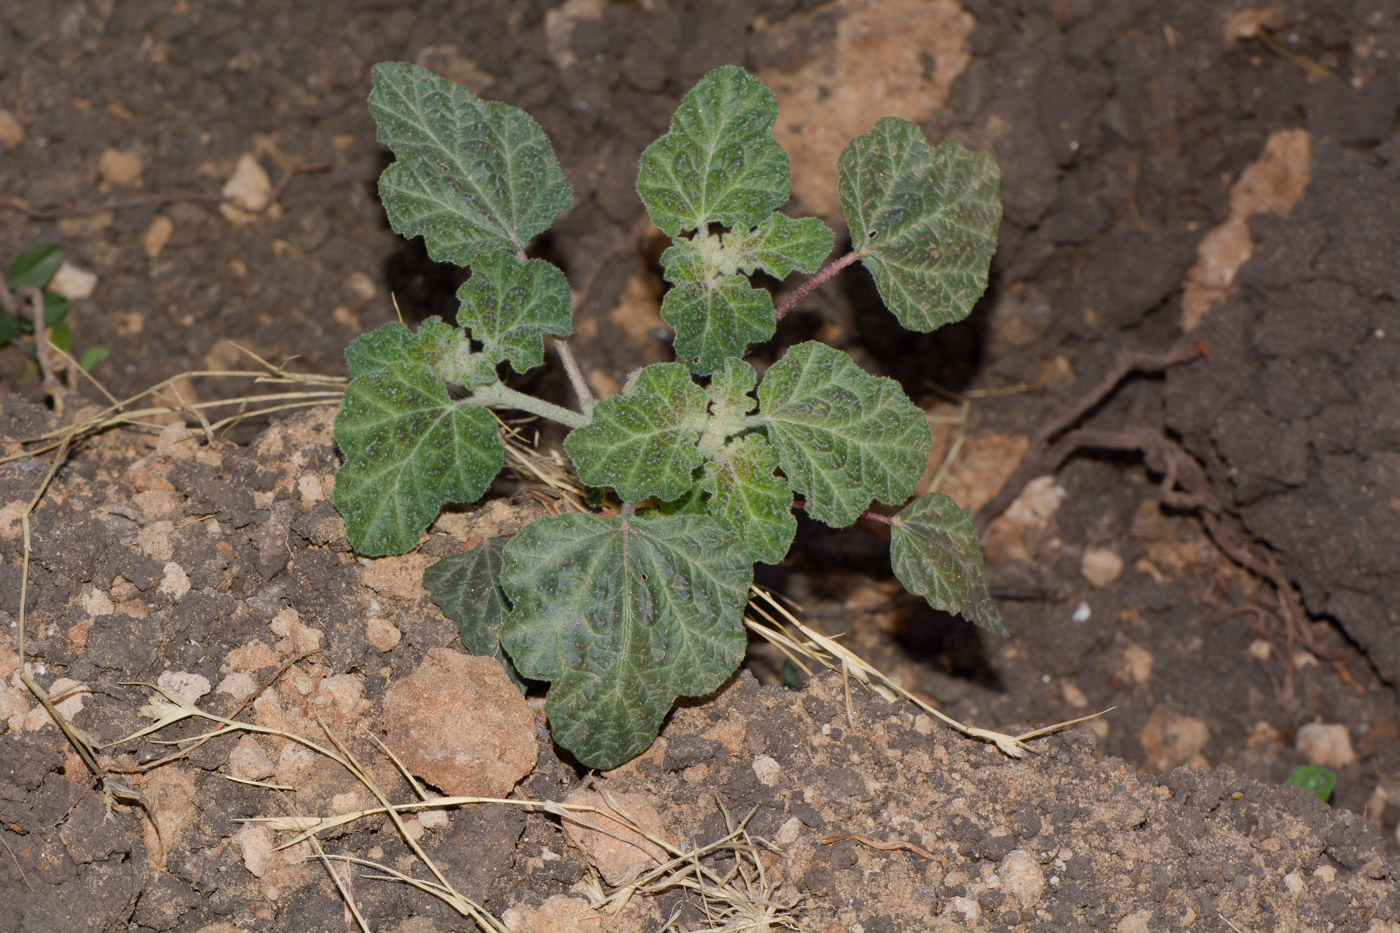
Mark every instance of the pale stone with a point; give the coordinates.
(175, 583)
(968, 907)
(1326, 744)
(239, 685)
(1100, 566)
(459, 723)
(188, 687)
(1171, 739)
(157, 235)
(619, 861)
(72, 282)
(11, 132)
(1294, 883)
(1074, 696)
(362, 285)
(119, 168)
(789, 832)
(97, 603)
(1022, 877)
(560, 913)
(1137, 663)
(250, 761)
(767, 770)
(249, 191)
(1137, 922)
(382, 634)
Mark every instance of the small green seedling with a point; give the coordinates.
(626, 609)
(1314, 778)
(35, 268)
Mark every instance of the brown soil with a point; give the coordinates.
(1196, 165)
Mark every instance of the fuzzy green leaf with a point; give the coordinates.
(715, 317)
(925, 219)
(623, 615)
(780, 245)
(719, 162)
(934, 553)
(409, 449)
(843, 436)
(731, 393)
(509, 305)
(394, 343)
(642, 443)
(746, 495)
(467, 588)
(470, 176)
(34, 267)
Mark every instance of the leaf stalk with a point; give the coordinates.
(502, 395)
(806, 287)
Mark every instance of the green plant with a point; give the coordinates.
(624, 610)
(1315, 778)
(34, 268)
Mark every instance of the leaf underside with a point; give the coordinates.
(409, 450)
(925, 218)
(470, 176)
(643, 443)
(746, 495)
(719, 162)
(935, 554)
(509, 305)
(843, 437)
(623, 615)
(467, 588)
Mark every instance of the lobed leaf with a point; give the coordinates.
(467, 588)
(642, 443)
(715, 317)
(747, 496)
(934, 553)
(409, 449)
(843, 437)
(730, 393)
(470, 176)
(924, 219)
(719, 162)
(623, 615)
(508, 305)
(393, 343)
(780, 245)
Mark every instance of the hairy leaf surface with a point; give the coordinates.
(623, 615)
(925, 218)
(746, 495)
(642, 443)
(467, 588)
(719, 162)
(715, 316)
(843, 436)
(392, 343)
(509, 305)
(780, 245)
(934, 553)
(470, 176)
(34, 267)
(409, 449)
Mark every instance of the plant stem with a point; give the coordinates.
(806, 287)
(566, 355)
(868, 513)
(506, 397)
